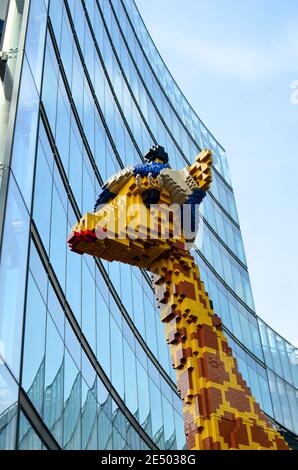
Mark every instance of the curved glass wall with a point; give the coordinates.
(94, 96)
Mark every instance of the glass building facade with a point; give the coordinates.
(83, 359)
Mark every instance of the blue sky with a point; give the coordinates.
(235, 61)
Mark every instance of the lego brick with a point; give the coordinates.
(218, 407)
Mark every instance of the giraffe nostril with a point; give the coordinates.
(150, 196)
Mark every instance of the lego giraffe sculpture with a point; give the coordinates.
(135, 221)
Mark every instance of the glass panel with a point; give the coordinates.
(104, 430)
(67, 48)
(293, 403)
(42, 196)
(72, 405)
(35, 38)
(287, 420)
(131, 395)
(284, 359)
(25, 135)
(38, 272)
(28, 439)
(103, 333)
(247, 340)
(180, 434)
(88, 306)
(13, 277)
(50, 85)
(62, 134)
(56, 17)
(266, 398)
(236, 322)
(254, 384)
(34, 345)
(89, 412)
(75, 165)
(275, 397)
(117, 358)
(257, 348)
(8, 408)
(143, 394)
(224, 312)
(265, 343)
(156, 412)
(58, 235)
(274, 351)
(56, 310)
(54, 372)
(169, 428)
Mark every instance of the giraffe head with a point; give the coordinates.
(143, 210)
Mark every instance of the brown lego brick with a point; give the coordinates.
(185, 383)
(185, 289)
(238, 399)
(216, 321)
(280, 443)
(182, 355)
(216, 399)
(239, 434)
(226, 428)
(226, 348)
(207, 337)
(212, 368)
(190, 432)
(210, 444)
(210, 399)
(259, 435)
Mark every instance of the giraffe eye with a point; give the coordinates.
(150, 196)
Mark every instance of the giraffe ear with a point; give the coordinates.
(201, 169)
(205, 156)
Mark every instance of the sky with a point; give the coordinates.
(236, 62)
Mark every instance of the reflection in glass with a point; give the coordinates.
(25, 135)
(28, 439)
(13, 277)
(35, 38)
(8, 408)
(34, 344)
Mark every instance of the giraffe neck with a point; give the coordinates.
(219, 410)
